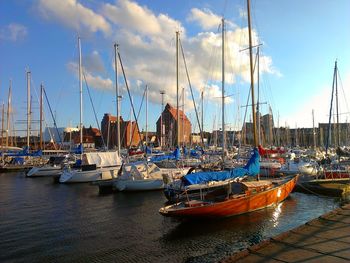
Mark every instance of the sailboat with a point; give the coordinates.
(238, 197)
(94, 166)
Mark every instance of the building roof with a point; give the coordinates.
(96, 131)
(112, 118)
(173, 111)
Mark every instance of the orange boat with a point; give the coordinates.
(235, 199)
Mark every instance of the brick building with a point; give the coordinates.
(109, 129)
(169, 126)
(91, 137)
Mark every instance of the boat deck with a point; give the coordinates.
(325, 239)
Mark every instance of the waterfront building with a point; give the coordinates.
(169, 120)
(129, 133)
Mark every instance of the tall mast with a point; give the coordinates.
(117, 94)
(8, 114)
(251, 75)
(28, 108)
(313, 130)
(202, 97)
(162, 92)
(146, 115)
(223, 87)
(177, 89)
(258, 100)
(330, 109)
(183, 116)
(336, 101)
(41, 115)
(2, 124)
(131, 126)
(81, 94)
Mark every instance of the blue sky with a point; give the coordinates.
(301, 40)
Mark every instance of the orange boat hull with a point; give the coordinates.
(236, 206)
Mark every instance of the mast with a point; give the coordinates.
(146, 115)
(202, 97)
(81, 95)
(28, 74)
(258, 100)
(223, 87)
(252, 75)
(2, 124)
(330, 109)
(41, 116)
(108, 131)
(336, 101)
(117, 94)
(162, 92)
(183, 116)
(8, 114)
(131, 126)
(177, 89)
(313, 130)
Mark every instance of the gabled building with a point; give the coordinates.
(129, 134)
(91, 137)
(169, 121)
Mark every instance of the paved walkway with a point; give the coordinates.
(325, 239)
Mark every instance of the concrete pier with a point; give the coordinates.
(324, 239)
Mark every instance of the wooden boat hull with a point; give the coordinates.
(235, 206)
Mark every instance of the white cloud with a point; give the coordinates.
(13, 32)
(206, 19)
(74, 15)
(130, 14)
(147, 45)
(94, 63)
(93, 81)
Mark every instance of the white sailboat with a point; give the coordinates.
(143, 176)
(95, 166)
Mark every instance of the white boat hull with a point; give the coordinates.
(138, 185)
(78, 176)
(44, 171)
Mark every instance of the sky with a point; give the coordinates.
(300, 42)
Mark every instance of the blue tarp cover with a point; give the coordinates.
(79, 149)
(175, 155)
(252, 168)
(25, 152)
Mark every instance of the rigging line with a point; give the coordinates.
(127, 87)
(246, 107)
(266, 81)
(330, 110)
(44, 114)
(53, 117)
(342, 88)
(93, 108)
(189, 83)
(138, 115)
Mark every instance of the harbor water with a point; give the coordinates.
(45, 222)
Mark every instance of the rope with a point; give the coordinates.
(312, 192)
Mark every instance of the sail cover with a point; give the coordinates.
(251, 169)
(102, 159)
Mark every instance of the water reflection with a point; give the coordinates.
(276, 214)
(42, 221)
